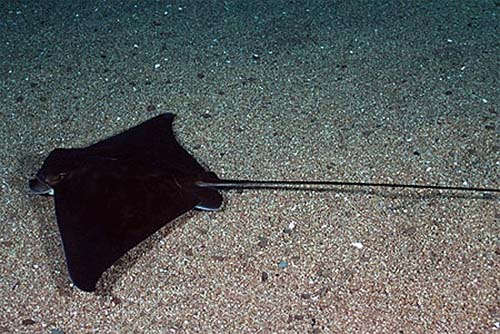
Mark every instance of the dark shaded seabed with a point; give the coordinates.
(380, 91)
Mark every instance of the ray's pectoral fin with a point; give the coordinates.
(114, 194)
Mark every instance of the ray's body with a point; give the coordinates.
(114, 194)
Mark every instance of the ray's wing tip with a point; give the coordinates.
(168, 115)
(161, 120)
(85, 280)
(85, 284)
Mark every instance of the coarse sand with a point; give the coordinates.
(373, 91)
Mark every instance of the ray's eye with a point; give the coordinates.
(53, 180)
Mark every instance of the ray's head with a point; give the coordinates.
(57, 167)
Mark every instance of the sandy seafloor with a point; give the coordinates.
(382, 91)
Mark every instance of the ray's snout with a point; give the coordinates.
(44, 183)
(39, 187)
(54, 170)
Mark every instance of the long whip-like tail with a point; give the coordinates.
(323, 185)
